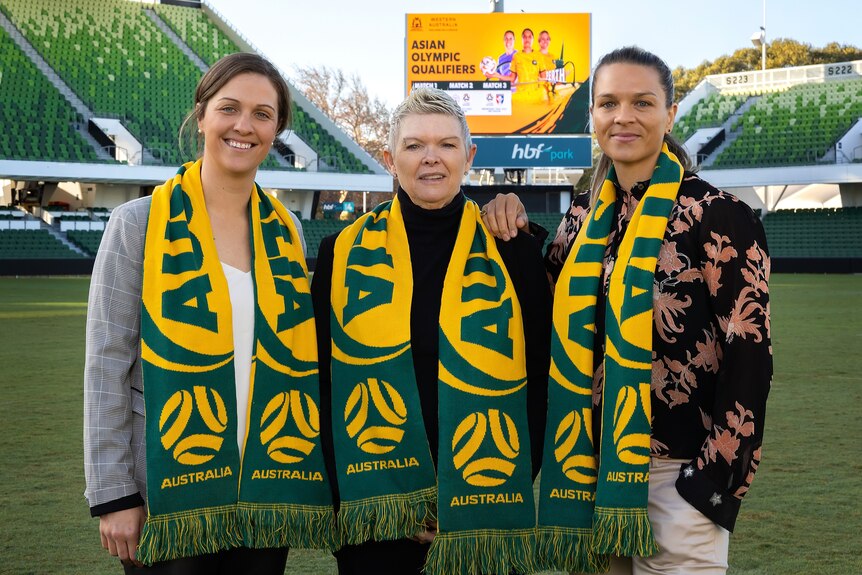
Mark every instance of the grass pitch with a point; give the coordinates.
(802, 515)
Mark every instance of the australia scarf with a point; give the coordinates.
(481, 495)
(204, 494)
(595, 505)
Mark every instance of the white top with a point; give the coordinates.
(241, 289)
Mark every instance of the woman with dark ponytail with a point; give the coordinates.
(661, 359)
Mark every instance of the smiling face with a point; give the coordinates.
(509, 42)
(430, 158)
(631, 116)
(544, 41)
(239, 125)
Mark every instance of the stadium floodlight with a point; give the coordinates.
(759, 39)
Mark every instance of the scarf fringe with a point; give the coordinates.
(485, 551)
(386, 518)
(623, 532)
(188, 534)
(569, 549)
(295, 526)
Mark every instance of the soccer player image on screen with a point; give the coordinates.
(547, 60)
(499, 69)
(524, 71)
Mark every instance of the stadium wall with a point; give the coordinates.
(817, 265)
(46, 267)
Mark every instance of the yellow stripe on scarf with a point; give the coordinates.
(201, 322)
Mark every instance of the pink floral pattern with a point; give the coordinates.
(712, 357)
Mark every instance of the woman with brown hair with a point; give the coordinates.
(200, 291)
(661, 359)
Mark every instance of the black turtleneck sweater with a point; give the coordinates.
(431, 235)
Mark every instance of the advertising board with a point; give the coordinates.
(513, 74)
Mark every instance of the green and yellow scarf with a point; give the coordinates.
(481, 494)
(592, 506)
(204, 495)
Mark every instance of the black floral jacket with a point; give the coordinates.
(712, 356)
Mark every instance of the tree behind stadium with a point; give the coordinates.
(780, 53)
(346, 101)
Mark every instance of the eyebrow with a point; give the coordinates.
(235, 100)
(638, 95)
(406, 139)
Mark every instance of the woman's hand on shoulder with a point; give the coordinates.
(504, 216)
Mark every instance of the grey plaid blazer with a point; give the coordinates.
(114, 448)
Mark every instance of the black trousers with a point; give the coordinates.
(239, 561)
(401, 557)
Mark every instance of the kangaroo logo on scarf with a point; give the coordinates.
(470, 435)
(302, 410)
(384, 435)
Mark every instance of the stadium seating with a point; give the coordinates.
(796, 126)
(316, 230)
(815, 233)
(332, 155)
(210, 43)
(118, 61)
(44, 122)
(802, 233)
(197, 31)
(86, 240)
(711, 112)
(33, 244)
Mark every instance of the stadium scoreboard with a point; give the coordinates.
(512, 74)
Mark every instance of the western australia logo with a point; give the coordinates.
(486, 463)
(376, 435)
(289, 443)
(201, 445)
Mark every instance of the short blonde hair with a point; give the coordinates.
(428, 101)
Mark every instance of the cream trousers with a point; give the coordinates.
(688, 542)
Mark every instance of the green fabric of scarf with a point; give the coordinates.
(204, 495)
(482, 493)
(595, 505)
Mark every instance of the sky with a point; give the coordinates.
(367, 37)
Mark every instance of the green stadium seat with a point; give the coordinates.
(115, 58)
(33, 244)
(46, 120)
(797, 126)
(815, 233)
